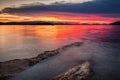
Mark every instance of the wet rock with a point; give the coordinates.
(80, 72)
(11, 68)
(42, 56)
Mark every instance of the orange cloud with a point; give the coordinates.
(59, 17)
(79, 18)
(9, 18)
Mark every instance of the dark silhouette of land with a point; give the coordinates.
(115, 23)
(26, 23)
(36, 23)
(53, 23)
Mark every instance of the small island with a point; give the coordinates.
(115, 23)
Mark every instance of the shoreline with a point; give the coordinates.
(11, 68)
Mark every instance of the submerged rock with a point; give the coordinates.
(80, 72)
(13, 67)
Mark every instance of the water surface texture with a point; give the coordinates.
(101, 43)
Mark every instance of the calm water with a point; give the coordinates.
(100, 43)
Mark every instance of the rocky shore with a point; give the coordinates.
(80, 72)
(11, 68)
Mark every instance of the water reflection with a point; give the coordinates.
(28, 41)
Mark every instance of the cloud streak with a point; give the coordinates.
(96, 6)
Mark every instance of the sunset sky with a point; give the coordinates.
(81, 11)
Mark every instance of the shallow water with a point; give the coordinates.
(28, 41)
(101, 43)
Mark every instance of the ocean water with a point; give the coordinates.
(101, 43)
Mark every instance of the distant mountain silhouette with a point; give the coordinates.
(27, 23)
(36, 23)
(52, 23)
(115, 23)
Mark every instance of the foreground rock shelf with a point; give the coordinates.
(80, 72)
(10, 68)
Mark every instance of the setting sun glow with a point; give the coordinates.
(48, 19)
(58, 17)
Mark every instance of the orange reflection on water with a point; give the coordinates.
(60, 31)
(24, 41)
(50, 35)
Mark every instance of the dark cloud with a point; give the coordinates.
(96, 6)
(111, 15)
